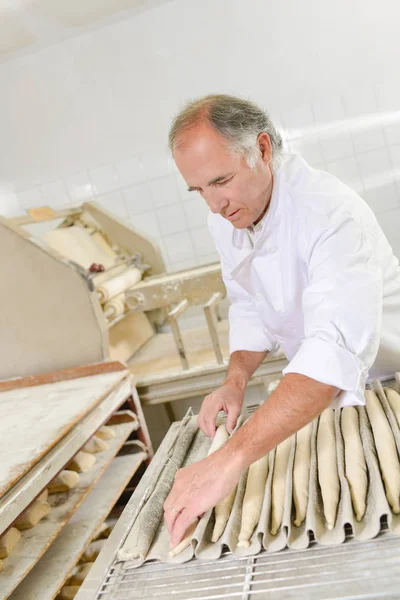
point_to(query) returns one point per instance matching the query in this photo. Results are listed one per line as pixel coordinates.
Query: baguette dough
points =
(301, 473)
(394, 401)
(386, 449)
(327, 466)
(8, 541)
(184, 543)
(105, 529)
(223, 510)
(92, 551)
(1, 565)
(118, 284)
(94, 445)
(80, 574)
(68, 592)
(82, 462)
(43, 496)
(279, 484)
(355, 466)
(105, 433)
(221, 436)
(253, 500)
(63, 482)
(31, 517)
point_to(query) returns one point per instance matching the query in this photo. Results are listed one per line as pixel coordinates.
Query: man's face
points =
(226, 182)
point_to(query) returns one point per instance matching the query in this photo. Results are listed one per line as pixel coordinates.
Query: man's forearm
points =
(242, 365)
(295, 402)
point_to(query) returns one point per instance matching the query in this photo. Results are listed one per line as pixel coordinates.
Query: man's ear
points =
(264, 143)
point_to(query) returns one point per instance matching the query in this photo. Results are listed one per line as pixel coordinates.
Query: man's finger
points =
(170, 517)
(233, 414)
(210, 426)
(182, 522)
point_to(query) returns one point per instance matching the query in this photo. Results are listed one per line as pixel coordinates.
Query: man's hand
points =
(229, 398)
(198, 488)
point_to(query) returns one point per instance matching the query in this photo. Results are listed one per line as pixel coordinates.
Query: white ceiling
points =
(29, 24)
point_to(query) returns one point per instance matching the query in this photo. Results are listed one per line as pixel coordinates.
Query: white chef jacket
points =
(320, 281)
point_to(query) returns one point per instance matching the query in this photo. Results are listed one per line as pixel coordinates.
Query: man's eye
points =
(224, 181)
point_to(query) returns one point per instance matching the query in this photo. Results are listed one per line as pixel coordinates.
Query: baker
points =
(307, 268)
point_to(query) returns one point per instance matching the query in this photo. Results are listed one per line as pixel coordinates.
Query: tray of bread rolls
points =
(340, 472)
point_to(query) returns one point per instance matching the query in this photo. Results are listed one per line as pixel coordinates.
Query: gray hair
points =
(238, 121)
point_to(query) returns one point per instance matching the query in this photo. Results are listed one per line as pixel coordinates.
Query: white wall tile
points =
(375, 168)
(347, 171)
(164, 191)
(147, 223)
(212, 257)
(172, 219)
(389, 221)
(114, 203)
(138, 199)
(383, 197)
(299, 117)
(9, 205)
(388, 95)
(394, 153)
(196, 211)
(185, 264)
(157, 163)
(337, 145)
(79, 186)
(30, 198)
(360, 101)
(129, 172)
(203, 241)
(104, 179)
(55, 194)
(371, 138)
(328, 109)
(309, 149)
(179, 247)
(392, 131)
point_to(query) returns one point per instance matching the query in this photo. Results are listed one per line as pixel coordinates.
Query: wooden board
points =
(159, 358)
(33, 482)
(55, 408)
(51, 572)
(61, 375)
(35, 541)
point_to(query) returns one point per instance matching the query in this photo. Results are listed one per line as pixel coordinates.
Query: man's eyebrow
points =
(213, 181)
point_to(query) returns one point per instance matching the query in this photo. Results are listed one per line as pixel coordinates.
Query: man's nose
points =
(215, 200)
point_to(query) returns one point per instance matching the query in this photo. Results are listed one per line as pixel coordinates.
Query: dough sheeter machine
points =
(361, 564)
(133, 311)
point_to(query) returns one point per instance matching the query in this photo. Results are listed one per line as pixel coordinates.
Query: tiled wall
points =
(88, 118)
(354, 135)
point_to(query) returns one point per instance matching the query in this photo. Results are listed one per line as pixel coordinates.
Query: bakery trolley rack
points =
(46, 420)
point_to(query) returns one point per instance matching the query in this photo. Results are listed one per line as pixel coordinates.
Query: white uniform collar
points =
(240, 237)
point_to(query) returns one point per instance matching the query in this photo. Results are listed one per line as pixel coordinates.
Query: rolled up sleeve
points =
(342, 309)
(246, 329)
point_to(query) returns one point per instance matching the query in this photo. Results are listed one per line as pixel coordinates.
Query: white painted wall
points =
(89, 117)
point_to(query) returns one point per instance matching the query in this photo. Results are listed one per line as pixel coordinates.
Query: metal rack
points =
(351, 570)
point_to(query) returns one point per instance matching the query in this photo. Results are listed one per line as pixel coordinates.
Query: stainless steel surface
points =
(351, 570)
